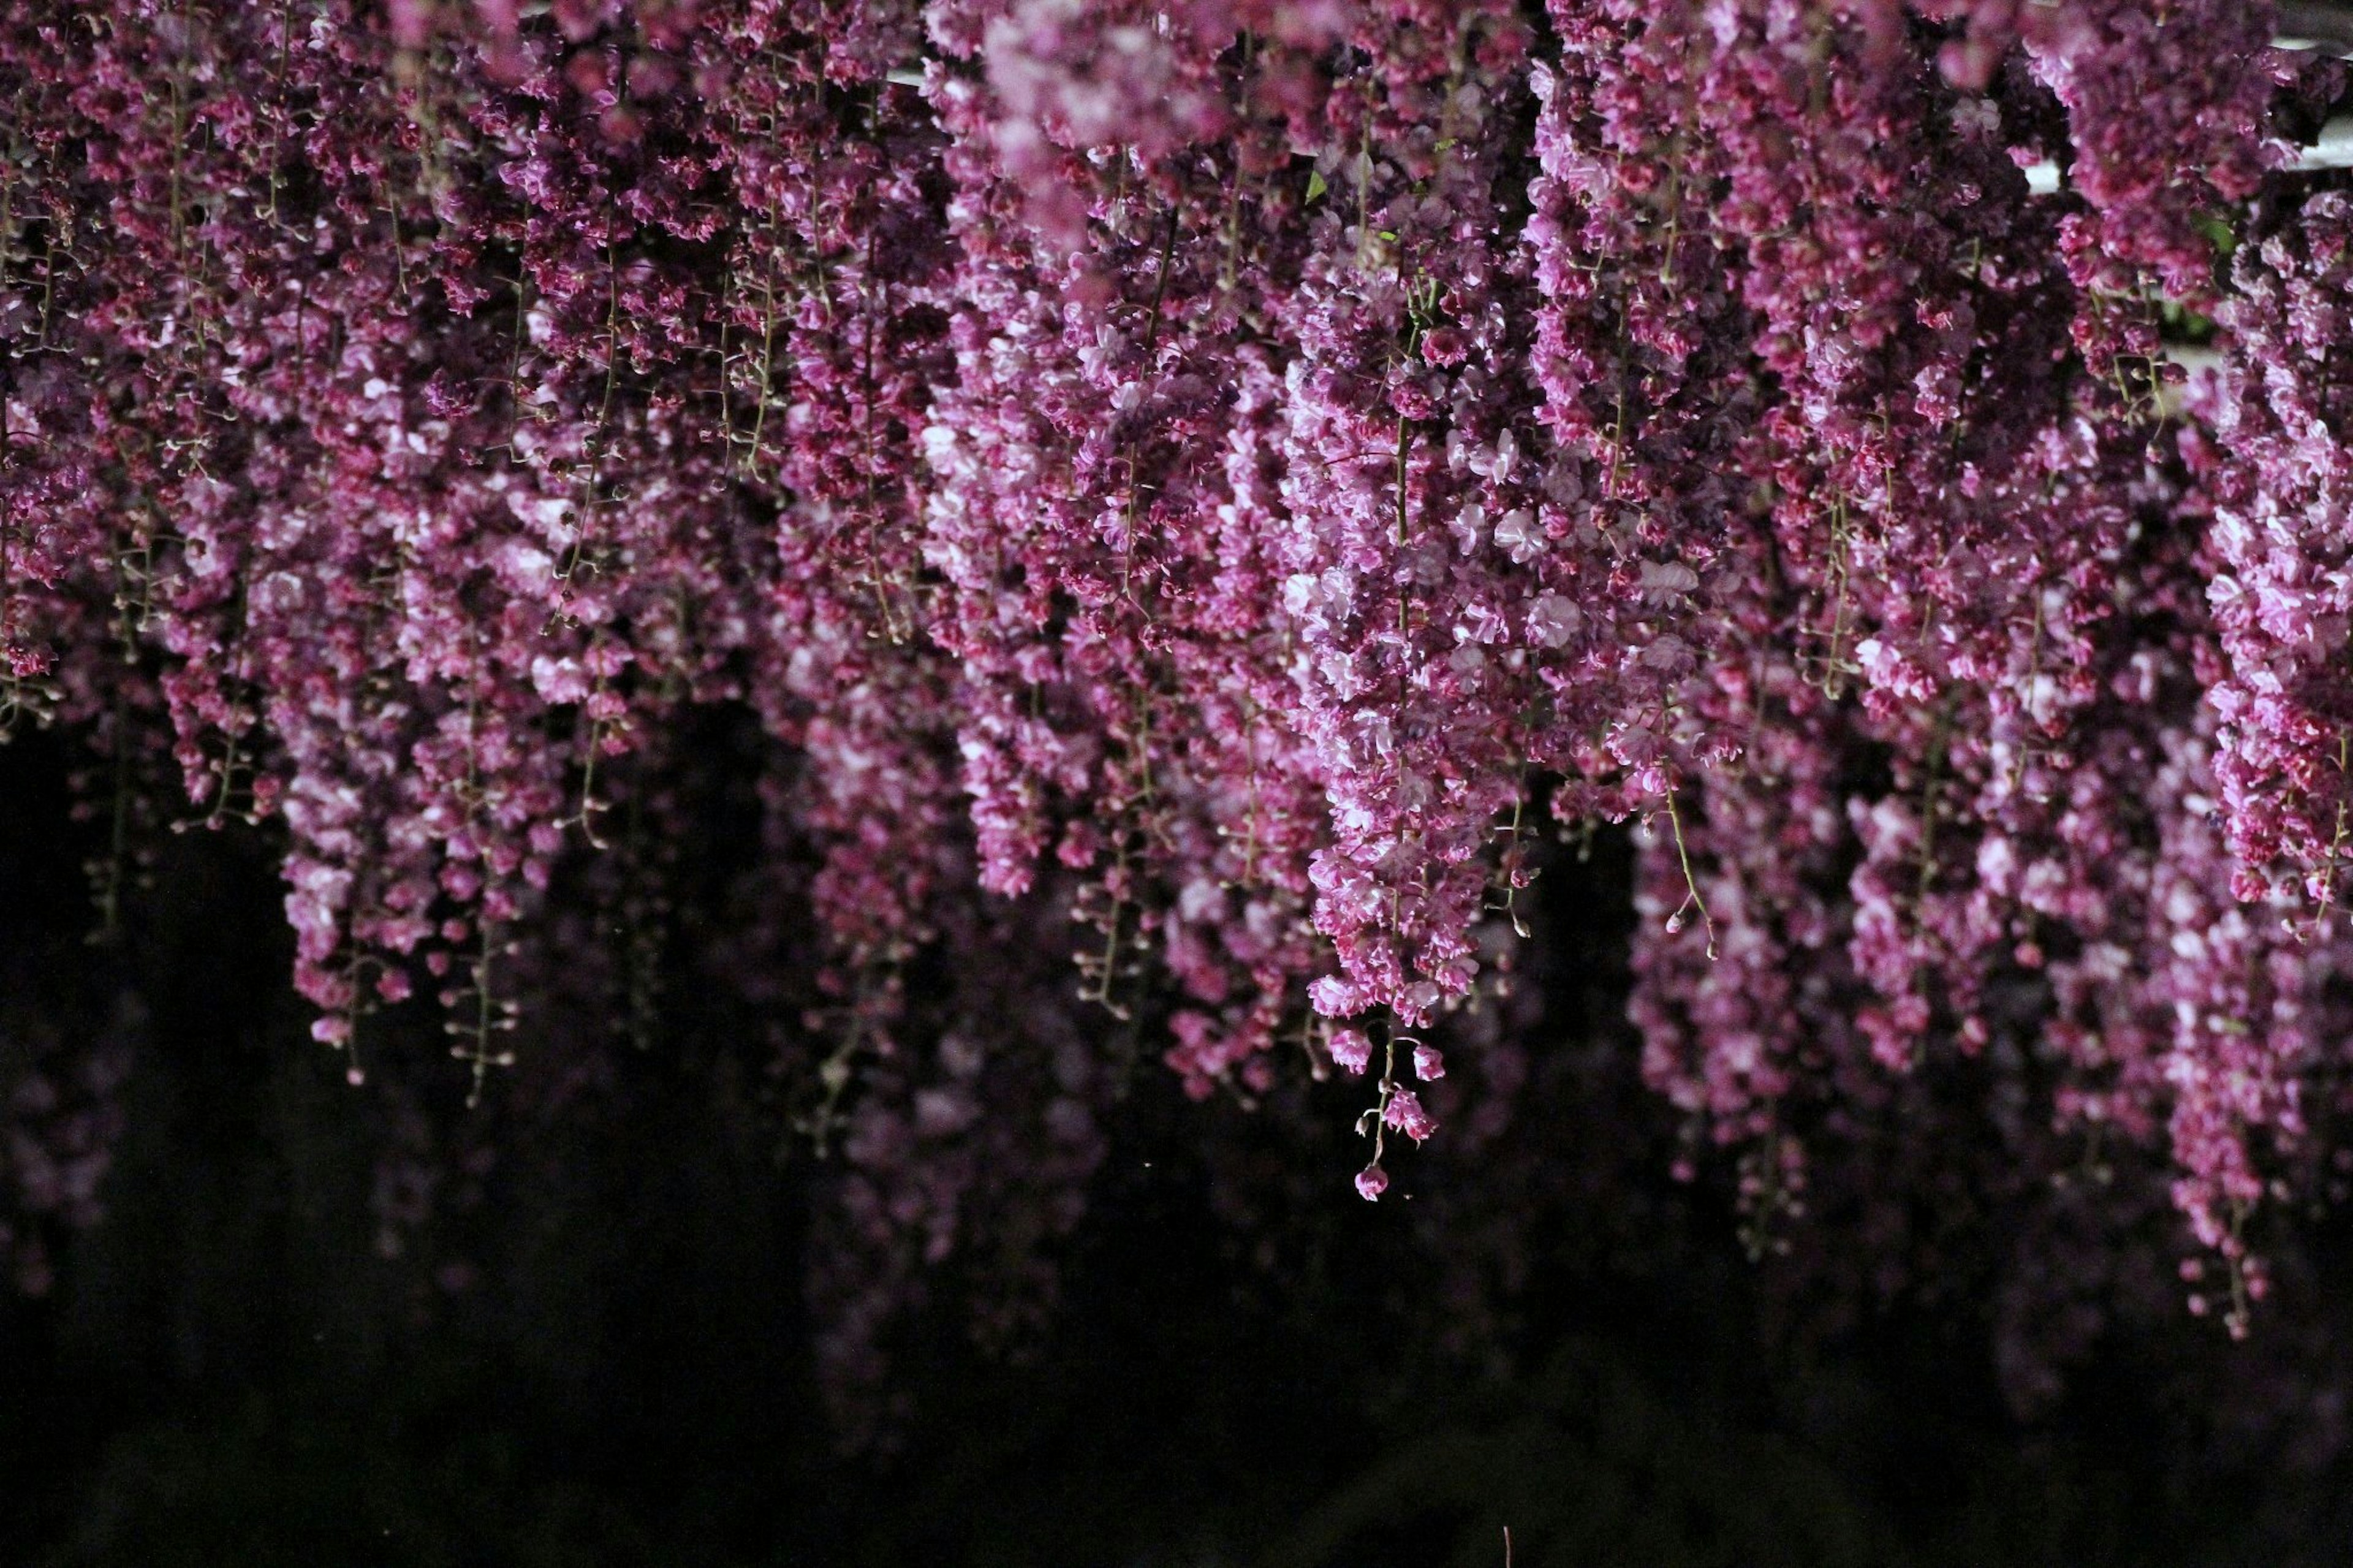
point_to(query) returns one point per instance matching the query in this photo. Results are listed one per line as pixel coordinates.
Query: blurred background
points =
(297, 1322)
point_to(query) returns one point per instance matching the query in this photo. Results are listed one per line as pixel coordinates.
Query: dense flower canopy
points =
(1230, 480)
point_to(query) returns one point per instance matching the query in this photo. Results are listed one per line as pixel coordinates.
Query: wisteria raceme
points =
(2280, 587)
(2168, 116)
(1172, 505)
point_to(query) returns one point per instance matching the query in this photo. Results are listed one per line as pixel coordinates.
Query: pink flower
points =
(1405, 1113)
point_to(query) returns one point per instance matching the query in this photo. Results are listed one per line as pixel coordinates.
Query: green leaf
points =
(1315, 185)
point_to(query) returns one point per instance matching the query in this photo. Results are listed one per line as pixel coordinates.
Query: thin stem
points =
(1692, 898)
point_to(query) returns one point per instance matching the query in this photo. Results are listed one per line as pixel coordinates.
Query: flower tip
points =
(1371, 1182)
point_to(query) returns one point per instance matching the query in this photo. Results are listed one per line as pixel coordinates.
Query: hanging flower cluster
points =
(1233, 476)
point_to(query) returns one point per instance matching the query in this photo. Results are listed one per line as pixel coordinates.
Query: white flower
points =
(1518, 536)
(1553, 619)
(1469, 525)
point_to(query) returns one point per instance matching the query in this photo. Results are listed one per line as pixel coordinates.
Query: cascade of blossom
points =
(2282, 596)
(1397, 449)
(1175, 494)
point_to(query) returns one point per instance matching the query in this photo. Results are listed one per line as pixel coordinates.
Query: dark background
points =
(229, 1369)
